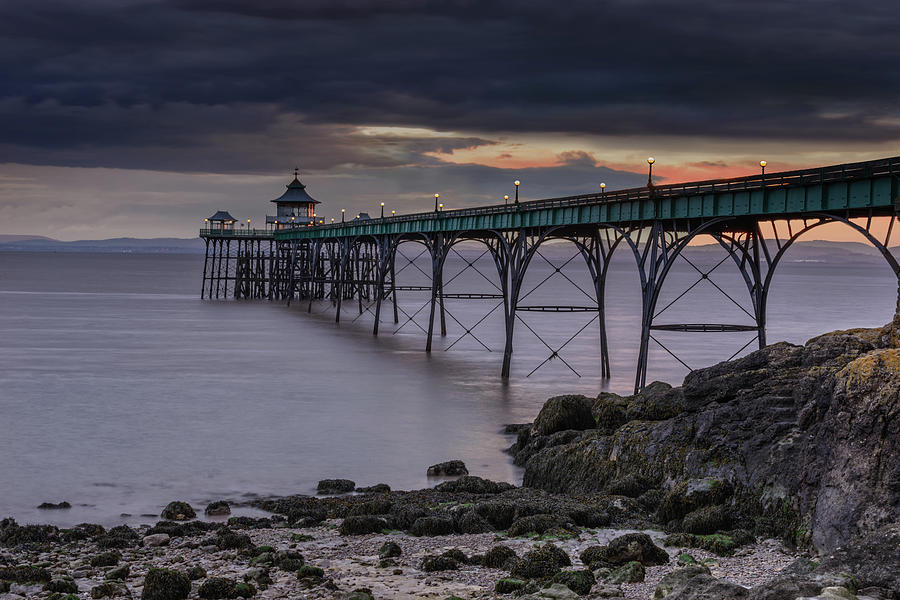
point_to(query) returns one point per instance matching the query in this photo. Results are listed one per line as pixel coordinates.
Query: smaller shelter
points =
(221, 221)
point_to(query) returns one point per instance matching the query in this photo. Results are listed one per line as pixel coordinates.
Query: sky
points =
(139, 118)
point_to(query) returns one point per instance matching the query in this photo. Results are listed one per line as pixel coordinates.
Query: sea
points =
(121, 390)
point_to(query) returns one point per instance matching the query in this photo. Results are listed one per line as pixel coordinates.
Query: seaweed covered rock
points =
(362, 524)
(499, 557)
(110, 589)
(12, 534)
(450, 468)
(509, 585)
(432, 526)
(110, 558)
(335, 486)
(389, 550)
(630, 572)
(120, 536)
(474, 485)
(226, 539)
(217, 509)
(25, 574)
(165, 584)
(565, 412)
(536, 524)
(543, 561)
(439, 563)
(62, 586)
(676, 578)
(635, 547)
(216, 588)
(178, 511)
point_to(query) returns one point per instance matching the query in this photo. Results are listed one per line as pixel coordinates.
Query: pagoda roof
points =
(296, 192)
(222, 215)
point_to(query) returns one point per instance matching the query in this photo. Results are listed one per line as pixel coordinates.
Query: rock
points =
(12, 534)
(672, 580)
(635, 547)
(561, 413)
(155, 540)
(378, 488)
(594, 555)
(536, 524)
(439, 563)
(471, 522)
(499, 557)
(508, 585)
(362, 524)
(390, 550)
(228, 540)
(361, 594)
(109, 558)
(705, 587)
(121, 536)
(499, 513)
(872, 559)
(111, 589)
(243, 590)
(165, 584)
(631, 572)
(474, 485)
(456, 554)
(178, 511)
(120, 573)
(579, 582)
(335, 486)
(607, 590)
(558, 591)
(25, 574)
(432, 526)
(310, 571)
(217, 509)
(62, 586)
(451, 468)
(723, 544)
(543, 561)
(196, 572)
(216, 588)
(288, 560)
(51, 506)
(708, 519)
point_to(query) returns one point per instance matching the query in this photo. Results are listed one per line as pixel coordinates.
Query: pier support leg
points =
(205, 263)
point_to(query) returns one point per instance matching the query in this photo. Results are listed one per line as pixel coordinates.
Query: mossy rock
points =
(361, 594)
(196, 572)
(109, 558)
(561, 413)
(676, 578)
(119, 574)
(309, 571)
(218, 508)
(457, 555)
(544, 561)
(165, 584)
(717, 543)
(594, 556)
(178, 511)
(508, 585)
(632, 572)
(226, 539)
(289, 560)
(538, 524)
(243, 590)
(579, 582)
(53, 596)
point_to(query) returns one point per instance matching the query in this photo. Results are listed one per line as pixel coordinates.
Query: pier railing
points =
(243, 233)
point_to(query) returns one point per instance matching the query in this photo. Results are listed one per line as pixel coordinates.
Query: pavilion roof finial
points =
(296, 172)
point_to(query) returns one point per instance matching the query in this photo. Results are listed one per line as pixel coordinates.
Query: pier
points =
(755, 219)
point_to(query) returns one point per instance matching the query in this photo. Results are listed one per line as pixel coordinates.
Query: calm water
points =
(120, 390)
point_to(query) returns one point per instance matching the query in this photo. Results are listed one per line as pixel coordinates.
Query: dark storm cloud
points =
(234, 86)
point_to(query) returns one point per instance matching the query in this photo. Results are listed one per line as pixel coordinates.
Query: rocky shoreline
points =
(772, 477)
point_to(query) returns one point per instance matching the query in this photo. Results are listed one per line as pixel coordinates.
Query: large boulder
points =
(451, 468)
(677, 578)
(335, 486)
(797, 442)
(165, 584)
(705, 587)
(872, 560)
(178, 511)
(565, 412)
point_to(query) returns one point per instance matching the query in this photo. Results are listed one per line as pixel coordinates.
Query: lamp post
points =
(650, 161)
(602, 189)
(342, 215)
(206, 223)
(516, 183)
(393, 212)
(441, 207)
(506, 199)
(332, 220)
(382, 210)
(248, 225)
(436, 196)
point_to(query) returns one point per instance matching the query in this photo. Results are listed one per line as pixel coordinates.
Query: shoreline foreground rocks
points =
(772, 477)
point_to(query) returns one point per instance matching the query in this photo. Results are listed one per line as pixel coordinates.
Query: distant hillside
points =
(117, 245)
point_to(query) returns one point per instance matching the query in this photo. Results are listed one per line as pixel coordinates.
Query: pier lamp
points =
(516, 183)
(382, 210)
(441, 207)
(206, 221)
(248, 225)
(506, 199)
(762, 165)
(436, 196)
(602, 189)
(342, 215)
(332, 220)
(393, 212)
(650, 161)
